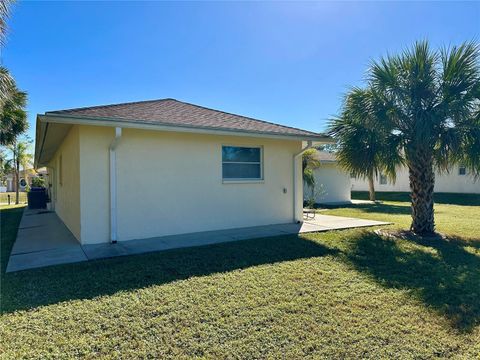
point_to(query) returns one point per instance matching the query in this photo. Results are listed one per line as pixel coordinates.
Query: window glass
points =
(462, 170)
(240, 154)
(241, 171)
(241, 163)
(383, 179)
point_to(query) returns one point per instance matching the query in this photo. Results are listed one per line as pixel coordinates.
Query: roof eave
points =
(39, 136)
(147, 125)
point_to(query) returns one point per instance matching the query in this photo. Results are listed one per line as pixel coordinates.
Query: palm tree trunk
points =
(371, 187)
(422, 182)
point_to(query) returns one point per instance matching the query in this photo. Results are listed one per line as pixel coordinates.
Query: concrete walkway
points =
(44, 240)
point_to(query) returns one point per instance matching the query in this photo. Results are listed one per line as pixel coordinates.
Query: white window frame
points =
(242, 180)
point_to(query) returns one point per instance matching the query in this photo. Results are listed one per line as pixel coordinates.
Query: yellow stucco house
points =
(165, 167)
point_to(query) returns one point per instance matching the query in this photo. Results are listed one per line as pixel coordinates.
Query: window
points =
(241, 163)
(383, 179)
(352, 175)
(462, 170)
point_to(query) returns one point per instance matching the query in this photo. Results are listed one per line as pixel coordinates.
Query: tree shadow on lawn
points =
(440, 198)
(443, 274)
(32, 288)
(378, 207)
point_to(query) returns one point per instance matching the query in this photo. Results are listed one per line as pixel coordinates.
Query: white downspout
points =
(295, 176)
(113, 185)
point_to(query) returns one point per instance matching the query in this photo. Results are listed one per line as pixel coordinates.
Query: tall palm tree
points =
(364, 149)
(13, 116)
(428, 102)
(21, 158)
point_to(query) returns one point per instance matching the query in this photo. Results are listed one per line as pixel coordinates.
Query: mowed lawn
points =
(343, 294)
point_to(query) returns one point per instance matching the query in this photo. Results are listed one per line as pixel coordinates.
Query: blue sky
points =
(286, 62)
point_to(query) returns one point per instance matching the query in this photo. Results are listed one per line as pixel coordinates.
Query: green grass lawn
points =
(22, 198)
(342, 294)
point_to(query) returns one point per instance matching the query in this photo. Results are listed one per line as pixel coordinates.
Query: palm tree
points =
(309, 163)
(6, 80)
(4, 14)
(364, 150)
(428, 102)
(6, 84)
(13, 116)
(21, 157)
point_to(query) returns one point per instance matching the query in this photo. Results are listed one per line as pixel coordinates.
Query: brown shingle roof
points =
(177, 113)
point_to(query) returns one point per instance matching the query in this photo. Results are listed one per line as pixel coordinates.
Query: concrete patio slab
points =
(339, 222)
(44, 240)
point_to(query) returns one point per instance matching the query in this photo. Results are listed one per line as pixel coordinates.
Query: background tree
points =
(428, 103)
(21, 158)
(364, 150)
(5, 166)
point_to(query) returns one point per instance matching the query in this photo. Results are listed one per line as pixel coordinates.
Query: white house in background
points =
(457, 180)
(332, 183)
(26, 176)
(165, 167)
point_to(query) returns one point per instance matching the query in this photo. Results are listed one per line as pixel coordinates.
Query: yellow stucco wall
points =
(171, 183)
(65, 180)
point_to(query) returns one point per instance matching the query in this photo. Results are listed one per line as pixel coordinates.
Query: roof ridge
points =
(107, 105)
(246, 117)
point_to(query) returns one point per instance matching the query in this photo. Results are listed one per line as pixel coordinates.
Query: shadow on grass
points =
(374, 208)
(9, 222)
(33, 288)
(440, 198)
(443, 274)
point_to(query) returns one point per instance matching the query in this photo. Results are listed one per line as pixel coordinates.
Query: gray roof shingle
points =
(178, 113)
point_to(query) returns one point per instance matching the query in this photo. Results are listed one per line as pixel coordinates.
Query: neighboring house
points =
(164, 167)
(457, 180)
(25, 176)
(332, 183)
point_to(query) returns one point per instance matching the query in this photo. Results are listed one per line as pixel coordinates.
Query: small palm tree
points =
(364, 149)
(309, 163)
